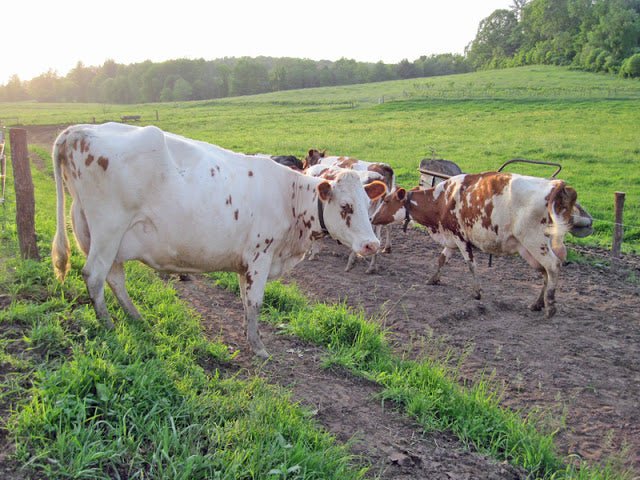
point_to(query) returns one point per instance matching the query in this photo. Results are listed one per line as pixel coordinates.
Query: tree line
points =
(594, 35)
(184, 79)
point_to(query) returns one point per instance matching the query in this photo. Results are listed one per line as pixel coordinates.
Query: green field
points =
(78, 401)
(589, 123)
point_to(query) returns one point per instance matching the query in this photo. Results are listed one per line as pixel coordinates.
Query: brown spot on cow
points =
(250, 173)
(235, 214)
(346, 162)
(345, 212)
(84, 146)
(89, 160)
(213, 172)
(103, 162)
(75, 144)
(255, 257)
(228, 201)
(434, 213)
(268, 243)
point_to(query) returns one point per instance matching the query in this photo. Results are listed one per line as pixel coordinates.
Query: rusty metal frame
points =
(535, 162)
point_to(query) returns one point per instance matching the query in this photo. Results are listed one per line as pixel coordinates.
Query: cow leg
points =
(442, 261)
(387, 241)
(95, 273)
(95, 269)
(549, 265)
(116, 281)
(467, 252)
(252, 292)
(373, 264)
(314, 250)
(350, 262)
(80, 228)
(539, 303)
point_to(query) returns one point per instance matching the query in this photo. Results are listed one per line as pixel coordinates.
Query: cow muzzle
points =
(368, 248)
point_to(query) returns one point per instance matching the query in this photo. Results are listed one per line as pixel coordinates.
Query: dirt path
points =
(346, 406)
(581, 368)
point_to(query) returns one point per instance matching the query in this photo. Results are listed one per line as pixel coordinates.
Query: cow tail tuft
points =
(60, 250)
(560, 205)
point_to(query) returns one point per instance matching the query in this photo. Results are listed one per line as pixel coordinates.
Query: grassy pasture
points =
(94, 404)
(589, 123)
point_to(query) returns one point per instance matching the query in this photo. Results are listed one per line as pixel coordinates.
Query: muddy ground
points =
(580, 371)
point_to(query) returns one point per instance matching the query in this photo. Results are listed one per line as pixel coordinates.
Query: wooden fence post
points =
(617, 228)
(25, 200)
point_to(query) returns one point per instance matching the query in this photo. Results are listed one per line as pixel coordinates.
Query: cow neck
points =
(305, 200)
(407, 214)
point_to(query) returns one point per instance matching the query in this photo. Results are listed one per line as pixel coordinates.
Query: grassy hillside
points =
(586, 122)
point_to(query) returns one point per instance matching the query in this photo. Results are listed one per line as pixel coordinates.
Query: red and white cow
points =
(180, 205)
(316, 158)
(366, 177)
(498, 213)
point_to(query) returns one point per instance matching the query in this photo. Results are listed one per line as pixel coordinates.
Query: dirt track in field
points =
(581, 369)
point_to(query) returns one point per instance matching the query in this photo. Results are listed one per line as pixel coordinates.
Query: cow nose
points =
(369, 248)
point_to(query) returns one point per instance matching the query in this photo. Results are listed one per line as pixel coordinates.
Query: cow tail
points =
(560, 206)
(60, 250)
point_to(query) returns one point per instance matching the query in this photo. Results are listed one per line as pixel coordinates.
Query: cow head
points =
(313, 157)
(581, 222)
(392, 209)
(345, 204)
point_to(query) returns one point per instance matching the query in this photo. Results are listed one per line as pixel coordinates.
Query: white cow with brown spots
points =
(316, 159)
(497, 213)
(185, 206)
(366, 177)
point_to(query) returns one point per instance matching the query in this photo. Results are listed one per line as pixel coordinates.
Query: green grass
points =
(426, 389)
(136, 402)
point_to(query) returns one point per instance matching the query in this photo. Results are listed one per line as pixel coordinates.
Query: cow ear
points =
(375, 189)
(310, 152)
(401, 193)
(324, 191)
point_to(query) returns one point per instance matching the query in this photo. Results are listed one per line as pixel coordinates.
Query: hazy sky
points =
(41, 35)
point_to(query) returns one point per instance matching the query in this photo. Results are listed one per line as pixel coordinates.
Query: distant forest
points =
(594, 35)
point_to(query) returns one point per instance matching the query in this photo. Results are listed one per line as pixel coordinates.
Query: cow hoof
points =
(536, 307)
(386, 250)
(433, 281)
(348, 267)
(262, 354)
(109, 323)
(549, 312)
(371, 270)
(477, 295)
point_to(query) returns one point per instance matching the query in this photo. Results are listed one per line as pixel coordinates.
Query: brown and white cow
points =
(180, 205)
(366, 177)
(316, 157)
(498, 213)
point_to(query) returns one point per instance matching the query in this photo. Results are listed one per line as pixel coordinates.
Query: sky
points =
(43, 35)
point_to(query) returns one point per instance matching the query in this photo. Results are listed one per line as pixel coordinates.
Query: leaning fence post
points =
(25, 200)
(617, 228)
